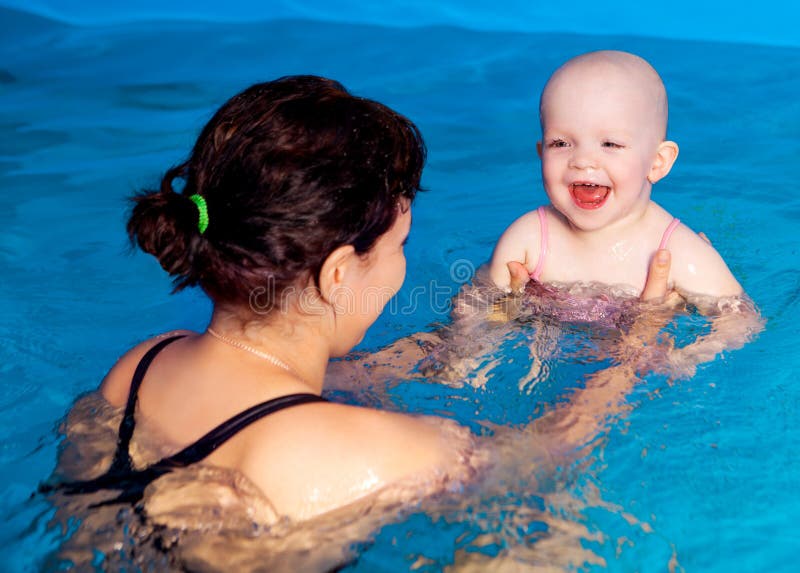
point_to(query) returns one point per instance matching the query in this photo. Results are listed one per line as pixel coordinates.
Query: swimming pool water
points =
(700, 475)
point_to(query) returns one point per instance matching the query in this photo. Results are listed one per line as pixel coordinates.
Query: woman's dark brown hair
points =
(290, 170)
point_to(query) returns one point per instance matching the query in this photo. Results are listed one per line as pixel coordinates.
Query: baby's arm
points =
(519, 242)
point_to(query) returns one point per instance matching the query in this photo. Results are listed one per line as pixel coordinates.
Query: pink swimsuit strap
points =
(543, 232)
(537, 272)
(668, 233)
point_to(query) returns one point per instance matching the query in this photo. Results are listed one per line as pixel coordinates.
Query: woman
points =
(291, 214)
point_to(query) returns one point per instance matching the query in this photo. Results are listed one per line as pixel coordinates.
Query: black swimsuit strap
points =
(122, 458)
(132, 483)
(232, 426)
(121, 475)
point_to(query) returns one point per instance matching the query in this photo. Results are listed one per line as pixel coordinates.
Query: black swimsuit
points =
(132, 482)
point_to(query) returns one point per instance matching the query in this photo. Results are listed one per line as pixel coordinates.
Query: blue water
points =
(90, 113)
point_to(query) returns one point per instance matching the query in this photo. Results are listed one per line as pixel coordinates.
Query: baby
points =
(604, 122)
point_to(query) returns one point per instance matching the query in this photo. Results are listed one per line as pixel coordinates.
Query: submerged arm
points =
(736, 323)
(645, 348)
(575, 423)
(473, 307)
(735, 320)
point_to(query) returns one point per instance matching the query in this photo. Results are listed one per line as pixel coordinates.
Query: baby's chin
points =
(584, 226)
(588, 220)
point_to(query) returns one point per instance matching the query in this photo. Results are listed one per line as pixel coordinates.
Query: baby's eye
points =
(557, 143)
(612, 145)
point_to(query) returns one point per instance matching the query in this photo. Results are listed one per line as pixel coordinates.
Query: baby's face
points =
(601, 128)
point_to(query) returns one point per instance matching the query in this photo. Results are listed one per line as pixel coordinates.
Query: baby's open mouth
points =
(589, 195)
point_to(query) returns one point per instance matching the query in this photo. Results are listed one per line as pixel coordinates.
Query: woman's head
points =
(290, 170)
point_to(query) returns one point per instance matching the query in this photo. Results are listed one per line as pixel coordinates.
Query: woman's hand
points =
(519, 276)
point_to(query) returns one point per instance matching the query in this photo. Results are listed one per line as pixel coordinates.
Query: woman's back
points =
(306, 459)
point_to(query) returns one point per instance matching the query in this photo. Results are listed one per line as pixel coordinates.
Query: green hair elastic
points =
(202, 210)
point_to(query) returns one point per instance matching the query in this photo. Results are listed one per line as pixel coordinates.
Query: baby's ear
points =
(666, 155)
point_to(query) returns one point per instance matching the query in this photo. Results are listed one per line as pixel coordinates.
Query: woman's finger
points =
(519, 276)
(657, 276)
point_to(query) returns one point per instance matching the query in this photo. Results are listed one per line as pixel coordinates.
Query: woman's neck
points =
(284, 341)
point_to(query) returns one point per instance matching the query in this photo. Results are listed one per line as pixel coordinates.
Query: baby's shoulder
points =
(521, 236)
(688, 242)
(528, 228)
(673, 233)
(697, 267)
(520, 242)
(530, 220)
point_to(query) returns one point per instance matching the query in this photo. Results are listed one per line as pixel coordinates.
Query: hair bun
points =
(165, 224)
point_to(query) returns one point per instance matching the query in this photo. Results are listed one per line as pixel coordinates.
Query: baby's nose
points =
(583, 158)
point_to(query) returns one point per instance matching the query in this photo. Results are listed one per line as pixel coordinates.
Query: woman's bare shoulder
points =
(347, 452)
(116, 384)
(364, 434)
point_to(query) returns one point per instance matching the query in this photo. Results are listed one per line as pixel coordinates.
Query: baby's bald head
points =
(606, 70)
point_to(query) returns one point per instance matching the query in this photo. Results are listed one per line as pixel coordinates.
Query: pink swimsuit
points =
(542, 212)
(574, 306)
